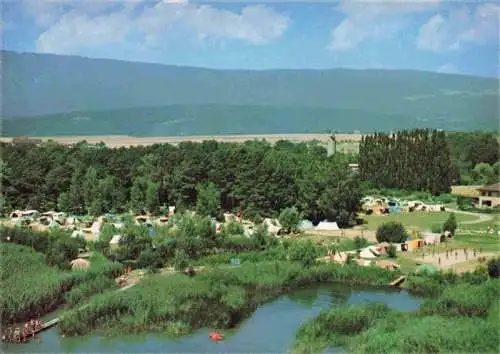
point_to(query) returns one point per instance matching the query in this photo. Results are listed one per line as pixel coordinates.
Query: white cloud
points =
(461, 27)
(373, 19)
(71, 28)
(447, 69)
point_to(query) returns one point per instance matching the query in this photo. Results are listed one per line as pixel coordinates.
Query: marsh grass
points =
(29, 287)
(464, 300)
(220, 298)
(407, 333)
(463, 319)
(332, 328)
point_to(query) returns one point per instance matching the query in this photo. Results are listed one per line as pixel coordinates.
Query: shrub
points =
(494, 267)
(304, 251)
(290, 218)
(181, 260)
(392, 232)
(450, 224)
(233, 228)
(360, 242)
(392, 251)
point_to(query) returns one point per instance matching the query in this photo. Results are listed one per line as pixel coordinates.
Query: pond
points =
(271, 328)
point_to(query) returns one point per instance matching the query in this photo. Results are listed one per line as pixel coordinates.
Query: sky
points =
(432, 35)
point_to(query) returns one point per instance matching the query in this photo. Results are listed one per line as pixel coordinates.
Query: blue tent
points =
(393, 206)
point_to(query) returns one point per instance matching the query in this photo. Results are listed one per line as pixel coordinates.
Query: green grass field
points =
(419, 220)
(488, 243)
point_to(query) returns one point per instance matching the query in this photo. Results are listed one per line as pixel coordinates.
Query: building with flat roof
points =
(489, 196)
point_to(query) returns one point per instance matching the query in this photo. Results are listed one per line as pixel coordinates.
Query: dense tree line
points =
(475, 156)
(255, 178)
(417, 160)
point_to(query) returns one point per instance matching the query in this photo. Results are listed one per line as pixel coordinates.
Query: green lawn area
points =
(419, 220)
(489, 243)
(483, 226)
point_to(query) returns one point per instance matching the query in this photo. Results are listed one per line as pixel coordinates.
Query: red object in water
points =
(215, 336)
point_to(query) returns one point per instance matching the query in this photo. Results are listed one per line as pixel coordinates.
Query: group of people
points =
(22, 334)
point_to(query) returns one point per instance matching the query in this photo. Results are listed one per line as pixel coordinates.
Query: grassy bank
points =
(30, 286)
(220, 298)
(463, 317)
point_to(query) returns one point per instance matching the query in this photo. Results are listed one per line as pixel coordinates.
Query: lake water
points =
(271, 328)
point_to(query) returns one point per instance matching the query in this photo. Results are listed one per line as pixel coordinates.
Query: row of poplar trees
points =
(417, 160)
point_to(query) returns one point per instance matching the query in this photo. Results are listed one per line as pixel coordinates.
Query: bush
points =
(233, 228)
(290, 218)
(494, 267)
(392, 251)
(181, 260)
(392, 232)
(360, 242)
(304, 251)
(450, 224)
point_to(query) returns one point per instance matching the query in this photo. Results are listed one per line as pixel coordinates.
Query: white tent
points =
(77, 233)
(228, 217)
(305, 225)
(373, 250)
(431, 238)
(115, 240)
(366, 253)
(325, 225)
(273, 226)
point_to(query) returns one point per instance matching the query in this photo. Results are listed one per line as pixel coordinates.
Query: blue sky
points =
(431, 35)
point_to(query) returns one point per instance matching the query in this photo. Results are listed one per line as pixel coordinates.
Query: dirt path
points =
(344, 233)
(481, 217)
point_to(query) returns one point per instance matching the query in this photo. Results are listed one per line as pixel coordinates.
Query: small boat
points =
(215, 336)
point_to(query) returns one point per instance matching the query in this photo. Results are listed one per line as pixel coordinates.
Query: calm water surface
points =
(271, 328)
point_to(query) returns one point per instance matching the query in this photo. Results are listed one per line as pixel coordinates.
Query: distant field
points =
(419, 220)
(122, 140)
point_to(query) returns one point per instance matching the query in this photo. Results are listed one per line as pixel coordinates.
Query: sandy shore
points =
(123, 140)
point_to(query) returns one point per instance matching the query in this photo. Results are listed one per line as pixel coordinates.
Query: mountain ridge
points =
(44, 92)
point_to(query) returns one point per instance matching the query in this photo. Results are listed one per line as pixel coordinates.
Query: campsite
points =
(185, 176)
(105, 268)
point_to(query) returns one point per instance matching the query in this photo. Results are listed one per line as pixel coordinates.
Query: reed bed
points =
(220, 298)
(83, 291)
(464, 300)
(463, 319)
(406, 333)
(334, 327)
(30, 287)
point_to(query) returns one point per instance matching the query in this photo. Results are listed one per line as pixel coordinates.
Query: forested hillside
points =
(95, 97)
